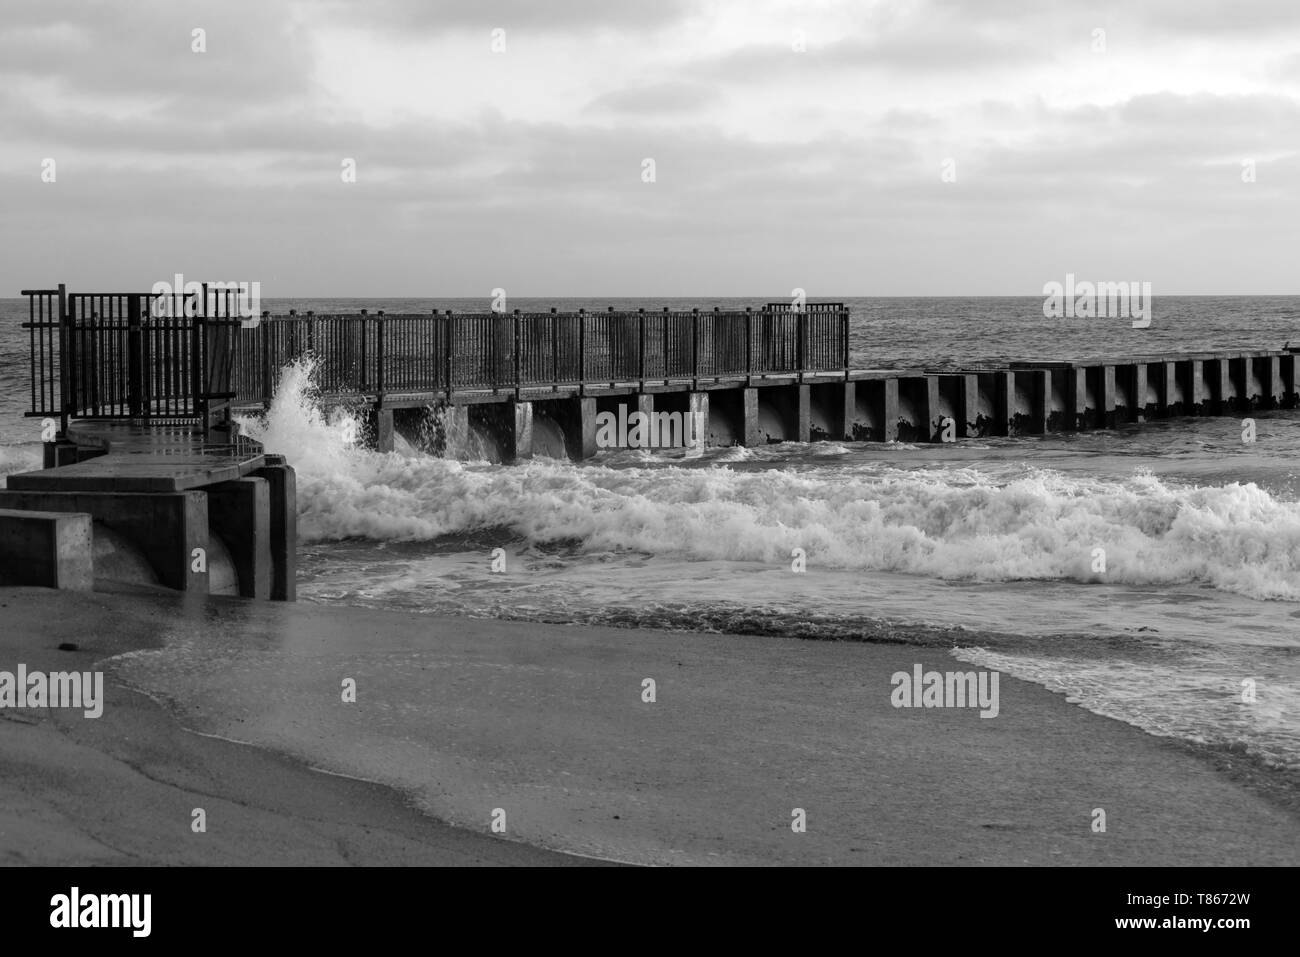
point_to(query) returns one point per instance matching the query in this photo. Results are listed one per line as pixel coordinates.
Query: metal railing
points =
(131, 355)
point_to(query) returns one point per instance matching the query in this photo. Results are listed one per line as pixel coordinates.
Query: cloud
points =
(438, 16)
(143, 49)
(658, 98)
(774, 168)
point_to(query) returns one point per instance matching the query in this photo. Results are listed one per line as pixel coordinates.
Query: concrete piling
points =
(282, 488)
(166, 528)
(240, 513)
(47, 549)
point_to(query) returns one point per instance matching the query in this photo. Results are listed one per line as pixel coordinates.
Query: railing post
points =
(640, 348)
(611, 338)
(267, 385)
(447, 344)
(362, 372)
(198, 374)
(133, 357)
(667, 357)
(582, 347)
(695, 343)
(518, 354)
(844, 324)
(749, 342)
(147, 334)
(66, 357)
(555, 350)
(801, 339)
(379, 356)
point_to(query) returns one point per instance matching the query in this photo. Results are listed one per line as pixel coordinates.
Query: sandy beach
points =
(550, 724)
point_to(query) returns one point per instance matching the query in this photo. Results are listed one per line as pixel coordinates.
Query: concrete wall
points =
(50, 549)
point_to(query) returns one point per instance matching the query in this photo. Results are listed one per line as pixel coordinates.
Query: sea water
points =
(984, 547)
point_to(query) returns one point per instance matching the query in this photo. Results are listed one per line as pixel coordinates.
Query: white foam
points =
(941, 522)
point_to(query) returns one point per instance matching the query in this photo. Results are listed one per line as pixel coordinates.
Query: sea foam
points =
(948, 523)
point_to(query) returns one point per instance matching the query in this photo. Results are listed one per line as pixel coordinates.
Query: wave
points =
(947, 523)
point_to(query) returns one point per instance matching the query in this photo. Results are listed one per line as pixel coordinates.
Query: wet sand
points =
(548, 722)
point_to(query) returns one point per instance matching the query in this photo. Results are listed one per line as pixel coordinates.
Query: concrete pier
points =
(170, 505)
(154, 467)
(756, 378)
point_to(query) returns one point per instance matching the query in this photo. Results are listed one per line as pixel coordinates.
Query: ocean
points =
(982, 548)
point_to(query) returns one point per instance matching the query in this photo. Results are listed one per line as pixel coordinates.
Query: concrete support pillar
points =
(644, 402)
(1076, 399)
(384, 430)
(918, 404)
(751, 436)
(697, 410)
(166, 527)
(47, 549)
(803, 414)
(1170, 395)
(523, 430)
(931, 418)
(968, 406)
(1140, 410)
(847, 411)
(1254, 389)
(1243, 380)
(1004, 403)
(1036, 385)
(580, 429)
(1109, 417)
(1274, 389)
(1127, 397)
(1289, 367)
(1198, 396)
(455, 429)
(282, 485)
(888, 411)
(240, 512)
(1225, 392)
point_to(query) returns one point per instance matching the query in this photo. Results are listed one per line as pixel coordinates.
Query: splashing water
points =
(898, 542)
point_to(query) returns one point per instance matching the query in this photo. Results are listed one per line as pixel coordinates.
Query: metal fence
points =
(129, 355)
(135, 355)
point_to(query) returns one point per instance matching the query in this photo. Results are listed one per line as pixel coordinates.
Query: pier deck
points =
(124, 456)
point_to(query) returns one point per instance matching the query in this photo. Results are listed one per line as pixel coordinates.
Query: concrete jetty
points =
(150, 479)
(748, 378)
(165, 504)
(137, 402)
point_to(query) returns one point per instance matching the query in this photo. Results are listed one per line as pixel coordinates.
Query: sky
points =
(650, 148)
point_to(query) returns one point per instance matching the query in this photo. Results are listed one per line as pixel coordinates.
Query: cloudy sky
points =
(901, 147)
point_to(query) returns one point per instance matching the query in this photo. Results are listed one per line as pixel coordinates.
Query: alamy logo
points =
(102, 910)
(951, 689)
(1100, 300)
(58, 689)
(645, 430)
(245, 303)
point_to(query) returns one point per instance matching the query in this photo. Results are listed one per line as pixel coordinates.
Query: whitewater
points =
(988, 549)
